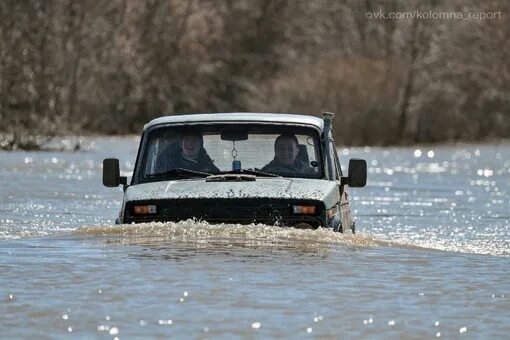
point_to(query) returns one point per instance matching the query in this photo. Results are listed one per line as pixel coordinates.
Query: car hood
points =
(289, 188)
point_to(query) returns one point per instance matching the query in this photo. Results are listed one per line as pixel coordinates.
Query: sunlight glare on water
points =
(430, 257)
(456, 199)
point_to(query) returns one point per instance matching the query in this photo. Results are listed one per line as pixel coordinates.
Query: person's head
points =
(286, 149)
(191, 143)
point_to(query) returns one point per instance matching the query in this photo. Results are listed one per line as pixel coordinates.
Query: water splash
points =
(200, 232)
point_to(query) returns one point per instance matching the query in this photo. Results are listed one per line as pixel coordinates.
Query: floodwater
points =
(431, 258)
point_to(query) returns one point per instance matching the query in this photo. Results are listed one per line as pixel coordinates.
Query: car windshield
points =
(202, 150)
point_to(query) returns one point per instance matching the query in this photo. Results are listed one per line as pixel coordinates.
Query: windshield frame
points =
(138, 176)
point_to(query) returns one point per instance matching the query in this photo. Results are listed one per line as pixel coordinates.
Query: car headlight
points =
(144, 209)
(304, 209)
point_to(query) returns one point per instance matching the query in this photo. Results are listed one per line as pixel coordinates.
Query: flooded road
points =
(431, 257)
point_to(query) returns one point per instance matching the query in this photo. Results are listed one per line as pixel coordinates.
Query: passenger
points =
(190, 154)
(286, 149)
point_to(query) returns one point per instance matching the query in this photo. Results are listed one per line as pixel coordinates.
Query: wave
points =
(203, 234)
(200, 232)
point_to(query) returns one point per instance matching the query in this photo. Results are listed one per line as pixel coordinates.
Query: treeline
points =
(109, 66)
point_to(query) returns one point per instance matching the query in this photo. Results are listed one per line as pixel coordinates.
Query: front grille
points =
(244, 211)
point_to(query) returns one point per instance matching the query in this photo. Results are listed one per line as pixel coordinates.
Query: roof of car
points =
(239, 117)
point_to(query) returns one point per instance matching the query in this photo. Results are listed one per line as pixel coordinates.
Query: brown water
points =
(431, 257)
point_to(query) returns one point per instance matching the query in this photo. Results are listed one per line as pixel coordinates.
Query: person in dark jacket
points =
(286, 149)
(188, 154)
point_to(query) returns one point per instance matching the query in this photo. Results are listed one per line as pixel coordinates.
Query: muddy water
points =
(431, 257)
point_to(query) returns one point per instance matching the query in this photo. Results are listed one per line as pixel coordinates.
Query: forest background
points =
(394, 71)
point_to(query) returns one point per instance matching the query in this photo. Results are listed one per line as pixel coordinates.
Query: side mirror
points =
(111, 172)
(357, 173)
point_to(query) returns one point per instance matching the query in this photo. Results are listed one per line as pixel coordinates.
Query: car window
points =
(334, 160)
(287, 152)
(337, 162)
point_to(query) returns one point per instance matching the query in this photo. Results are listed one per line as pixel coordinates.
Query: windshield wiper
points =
(181, 172)
(250, 172)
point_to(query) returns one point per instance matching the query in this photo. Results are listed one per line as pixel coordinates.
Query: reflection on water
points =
(86, 285)
(67, 271)
(46, 193)
(450, 198)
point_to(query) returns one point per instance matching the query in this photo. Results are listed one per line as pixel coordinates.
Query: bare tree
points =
(110, 65)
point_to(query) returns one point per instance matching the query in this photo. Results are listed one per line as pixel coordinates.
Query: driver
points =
(286, 149)
(190, 154)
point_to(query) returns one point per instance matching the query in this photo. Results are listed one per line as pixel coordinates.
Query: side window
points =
(337, 162)
(334, 159)
(152, 153)
(158, 151)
